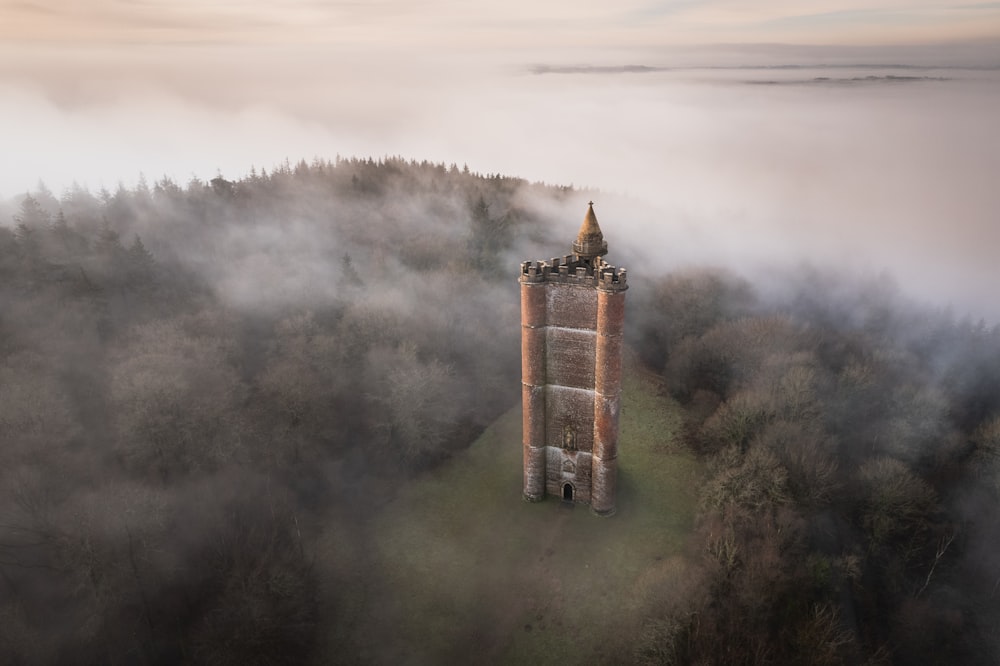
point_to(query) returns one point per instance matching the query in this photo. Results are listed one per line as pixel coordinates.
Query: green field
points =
(463, 563)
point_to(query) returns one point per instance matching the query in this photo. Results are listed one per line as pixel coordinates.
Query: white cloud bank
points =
(746, 164)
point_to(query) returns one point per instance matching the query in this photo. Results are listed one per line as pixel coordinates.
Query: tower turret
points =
(590, 245)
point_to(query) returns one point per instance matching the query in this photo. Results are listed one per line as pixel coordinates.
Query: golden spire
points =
(590, 241)
(590, 228)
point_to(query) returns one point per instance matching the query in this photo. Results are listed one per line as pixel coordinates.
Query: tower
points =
(572, 317)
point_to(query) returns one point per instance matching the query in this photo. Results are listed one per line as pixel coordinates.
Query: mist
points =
(867, 159)
(224, 407)
(257, 338)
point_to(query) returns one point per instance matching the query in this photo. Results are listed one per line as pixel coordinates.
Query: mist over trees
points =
(196, 380)
(845, 518)
(190, 375)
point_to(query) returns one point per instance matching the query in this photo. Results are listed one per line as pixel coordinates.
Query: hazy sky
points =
(845, 157)
(513, 23)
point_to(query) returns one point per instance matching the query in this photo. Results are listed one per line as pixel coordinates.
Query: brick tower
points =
(572, 314)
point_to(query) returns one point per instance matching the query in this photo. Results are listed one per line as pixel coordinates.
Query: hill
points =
(463, 565)
(235, 427)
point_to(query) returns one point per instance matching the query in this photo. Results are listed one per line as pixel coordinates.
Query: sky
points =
(514, 23)
(858, 134)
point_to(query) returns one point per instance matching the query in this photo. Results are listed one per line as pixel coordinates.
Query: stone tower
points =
(572, 314)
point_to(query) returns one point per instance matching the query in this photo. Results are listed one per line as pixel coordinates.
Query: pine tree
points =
(27, 240)
(32, 215)
(61, 241)
(140, 261)
(110, 253)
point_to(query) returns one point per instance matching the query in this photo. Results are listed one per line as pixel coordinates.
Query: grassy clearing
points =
(465, 567)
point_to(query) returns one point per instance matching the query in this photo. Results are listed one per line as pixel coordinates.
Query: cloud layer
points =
(866, 156)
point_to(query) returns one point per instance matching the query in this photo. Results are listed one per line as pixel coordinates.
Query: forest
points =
(197, 381)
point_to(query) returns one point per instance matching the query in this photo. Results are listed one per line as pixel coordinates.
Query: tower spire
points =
(590, 243)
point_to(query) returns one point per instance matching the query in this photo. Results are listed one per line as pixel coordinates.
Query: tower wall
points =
(567, 352)
(566, 406)
(533, 310)
(607, 398)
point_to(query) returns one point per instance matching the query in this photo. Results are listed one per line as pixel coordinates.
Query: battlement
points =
(570, 270)
(611, 278)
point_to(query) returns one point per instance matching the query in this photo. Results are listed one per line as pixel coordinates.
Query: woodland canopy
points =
(194, 379)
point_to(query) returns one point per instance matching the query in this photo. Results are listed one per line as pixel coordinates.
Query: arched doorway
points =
(568, 492)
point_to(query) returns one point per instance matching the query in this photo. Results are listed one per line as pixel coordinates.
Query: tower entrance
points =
(568, 492)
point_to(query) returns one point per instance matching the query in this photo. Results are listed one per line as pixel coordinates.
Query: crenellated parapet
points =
(571, 270)
(611, 278)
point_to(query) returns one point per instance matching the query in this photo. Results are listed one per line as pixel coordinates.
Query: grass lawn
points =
(468, 571)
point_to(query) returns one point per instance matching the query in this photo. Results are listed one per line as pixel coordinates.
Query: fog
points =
(873, 159)
(206, 388)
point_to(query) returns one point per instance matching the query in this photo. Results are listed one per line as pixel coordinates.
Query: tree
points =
(987, 456)
(895, 503)
(309, 401)
(418, 400)
(63, 244)
(488, 236)
(36, 413)
(30, 221)
(9, 253)
(176, 397)
(31, 214)
(139, 263)
(686, 305)
(260, 598)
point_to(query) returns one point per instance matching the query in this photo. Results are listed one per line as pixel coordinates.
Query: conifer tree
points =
(139, 262)
(32, 215)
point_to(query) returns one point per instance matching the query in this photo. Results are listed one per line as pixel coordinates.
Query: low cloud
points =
(840, 161)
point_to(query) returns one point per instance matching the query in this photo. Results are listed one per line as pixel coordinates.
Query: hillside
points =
(463, 564)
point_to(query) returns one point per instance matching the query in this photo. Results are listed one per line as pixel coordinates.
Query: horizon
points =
(840, 135)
